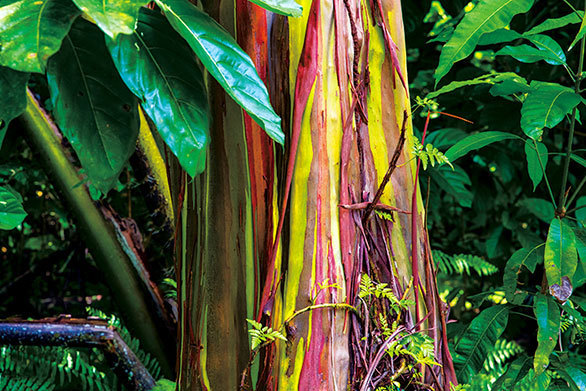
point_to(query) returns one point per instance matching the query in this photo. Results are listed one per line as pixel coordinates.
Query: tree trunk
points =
(263, 228)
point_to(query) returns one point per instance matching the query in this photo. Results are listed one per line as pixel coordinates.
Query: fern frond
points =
(503, 350)
(260, 334)
(429, 154)
(462, 264)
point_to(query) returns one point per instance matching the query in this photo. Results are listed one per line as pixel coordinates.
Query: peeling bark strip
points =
(81, 333)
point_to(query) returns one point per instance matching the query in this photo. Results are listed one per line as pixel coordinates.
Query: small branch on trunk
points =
(81, 333)
(392, 166)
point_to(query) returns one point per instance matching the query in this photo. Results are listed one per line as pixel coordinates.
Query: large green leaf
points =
(225, 61)
(112, 16)
(455, 182)
(545, 107)
(158, 67)
(548, 322)
(556, 23)
(561, 257)
(525, 257)
(498, 36)
(479, 338)
(12, 97)
(573, 376)
(581, 213)
(510, 86)
(548, 45)
(476, 141)
(283, 7)
(491, 79)
(11, 211)
(515, 372)
(93, 107)
(32, 31)
(487, 16)
(536, 155)
(580, 34)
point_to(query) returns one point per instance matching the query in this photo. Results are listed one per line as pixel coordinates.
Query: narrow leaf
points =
(556, 23)
(546, 106)
(93, 107)
(112, 16)
(11, 211)
(283, 7)
(455, 182)
(580, 34)
(515, 372)
(32, 31)
(159, 67)
(561, 257)
(225, 61)
(527, 54)
(472, 348)
(548, 322)
(476, 141)
(487, 16)
(550, 46)
(490, 79)
(536, 155)
(12, 97)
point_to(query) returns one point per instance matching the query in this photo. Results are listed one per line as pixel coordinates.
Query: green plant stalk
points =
(563, 196)
(101, 240)
(577, 191)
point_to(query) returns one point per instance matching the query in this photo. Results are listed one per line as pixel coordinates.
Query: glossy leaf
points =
(528, 54)
(555, 23)
(32, 31)
(225, 61)
(112, 16)
(12, 97)
(283, 7)
(546, 106)
(479, 338)
(548, 322)
(525, 257)
(536, 155)
(476, 141)
(11, 211)
(581, 213)
(487, 16)
(547, 45)
(158, 67)
(581, 33)
(93, 107)
(499, 36)
(491, 79)
(561, 257)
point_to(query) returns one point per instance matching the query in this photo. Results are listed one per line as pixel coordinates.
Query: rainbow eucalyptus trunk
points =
(265, 229)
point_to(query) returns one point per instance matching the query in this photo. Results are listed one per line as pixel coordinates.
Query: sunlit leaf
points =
(112, 16)
(485, 17)
(556, 23)
(561, 257)
(580, 34)
(491, 79)
(476, 141)
(32, 31)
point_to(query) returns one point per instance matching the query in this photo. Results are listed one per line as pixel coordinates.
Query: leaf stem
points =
(544, 174)
(563, 194)
(577, 191)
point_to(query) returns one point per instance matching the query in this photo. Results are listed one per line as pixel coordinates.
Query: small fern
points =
(462, 264)
(150, 363)
(260, 334)
(503, 350)
(429, 154)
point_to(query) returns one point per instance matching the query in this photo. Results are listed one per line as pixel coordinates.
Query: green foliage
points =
(159, 68)
(13, 102)
(283, 7)
(93, 107)
(581, 33)
(260, 334)
(536, 155)
(487, 16)
(463, 264)
(523, 258)
(477, 340)
(561, 257)
(548, 320)
(476, 141)
(225, 61)
(112, 16)
(429, 154)
(11, 210)
(32, 31)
